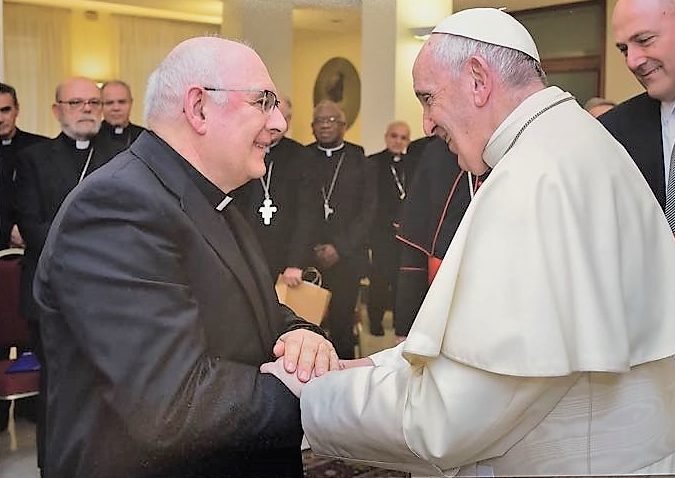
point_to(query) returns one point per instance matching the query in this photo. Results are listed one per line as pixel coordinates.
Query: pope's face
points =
(448, 111)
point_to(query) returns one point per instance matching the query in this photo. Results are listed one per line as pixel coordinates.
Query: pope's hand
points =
(289, 379)
(306, 353)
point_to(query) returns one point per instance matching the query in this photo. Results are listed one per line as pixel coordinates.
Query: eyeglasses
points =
(331, 120)
(267, 102)
(78, 104)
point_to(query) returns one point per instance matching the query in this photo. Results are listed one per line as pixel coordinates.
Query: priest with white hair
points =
(545, 344)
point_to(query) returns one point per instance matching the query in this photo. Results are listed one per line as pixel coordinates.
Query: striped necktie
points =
(670, 193)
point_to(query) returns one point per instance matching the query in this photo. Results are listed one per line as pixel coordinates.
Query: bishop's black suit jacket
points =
(8, 159)
(46, 172)
(156, 312)
(636, 124)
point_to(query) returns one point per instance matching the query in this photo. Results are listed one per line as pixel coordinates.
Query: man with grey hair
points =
(645, 124)
(157, 308)
(46, 173)
(545, 344)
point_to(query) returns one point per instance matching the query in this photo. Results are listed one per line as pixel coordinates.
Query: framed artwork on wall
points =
(339, 81)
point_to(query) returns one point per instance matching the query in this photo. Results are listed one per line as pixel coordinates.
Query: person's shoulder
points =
(630, 111)
(39, 150)
(378, 155)
(354, 148)
(290, 143)
(29, 139)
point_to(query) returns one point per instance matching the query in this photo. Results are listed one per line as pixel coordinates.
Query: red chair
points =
(13, 329)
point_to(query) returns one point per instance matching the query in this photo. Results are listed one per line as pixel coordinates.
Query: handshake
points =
(300, 361)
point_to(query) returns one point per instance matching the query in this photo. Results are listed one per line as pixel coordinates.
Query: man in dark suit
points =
(157, 307)
(117, 103)
(436, 202)
(393, 172)
(281, 206)
(12, 141)
(645, 124)
(46, 173)
(347, 204)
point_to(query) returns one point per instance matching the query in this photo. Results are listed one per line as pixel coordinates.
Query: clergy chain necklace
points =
(399, 181)
(327, 209)
(267, 209)
(268, 179)
(534, 117)
(86, 165)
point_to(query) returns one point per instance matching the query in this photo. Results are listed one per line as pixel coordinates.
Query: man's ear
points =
(193, 108)
(482, 80)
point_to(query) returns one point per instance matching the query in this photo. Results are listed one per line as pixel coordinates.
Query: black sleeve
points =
(33, 220)
(355, 237)
(115, 269)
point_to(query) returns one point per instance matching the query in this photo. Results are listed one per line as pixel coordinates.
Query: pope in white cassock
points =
(545, 344)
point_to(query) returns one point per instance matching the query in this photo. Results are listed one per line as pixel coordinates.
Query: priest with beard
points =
(347, 202)
(46, 173)
(281, 206)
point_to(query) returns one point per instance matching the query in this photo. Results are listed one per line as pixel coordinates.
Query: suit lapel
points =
(256, 259)
(648, 136)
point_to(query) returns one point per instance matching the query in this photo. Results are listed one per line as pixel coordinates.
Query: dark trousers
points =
(343, 281)
(383, 280)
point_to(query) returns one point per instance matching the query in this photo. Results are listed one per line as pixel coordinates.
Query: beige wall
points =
(310, 51)
(93, 53)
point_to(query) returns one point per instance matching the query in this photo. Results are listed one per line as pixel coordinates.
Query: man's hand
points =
(292, 276)
(289, 379)
(326, 255)
(306, 352)
(15, 239)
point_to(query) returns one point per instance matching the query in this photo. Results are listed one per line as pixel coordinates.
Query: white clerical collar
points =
(7, 142)
(82, 143)
(118, 129)
(329, 151)
(504, 135)
(223, 203)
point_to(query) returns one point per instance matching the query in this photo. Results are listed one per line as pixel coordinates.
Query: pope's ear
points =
(482, 78)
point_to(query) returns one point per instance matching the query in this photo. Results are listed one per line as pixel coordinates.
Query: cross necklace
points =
(268, 208)
(327, 209)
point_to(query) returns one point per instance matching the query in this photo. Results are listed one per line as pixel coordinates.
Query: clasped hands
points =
(302, 355)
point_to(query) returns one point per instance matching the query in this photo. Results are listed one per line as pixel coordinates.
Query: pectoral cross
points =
(327, 210)
(267, 210)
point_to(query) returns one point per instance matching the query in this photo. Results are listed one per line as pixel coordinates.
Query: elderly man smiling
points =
(545, 344)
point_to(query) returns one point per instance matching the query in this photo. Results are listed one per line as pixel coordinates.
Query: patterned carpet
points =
(320, 467)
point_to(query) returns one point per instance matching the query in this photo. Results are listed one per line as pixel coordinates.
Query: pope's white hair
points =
(515, 67)
(193, 62)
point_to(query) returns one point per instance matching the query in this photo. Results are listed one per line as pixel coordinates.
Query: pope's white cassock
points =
(545, 343)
